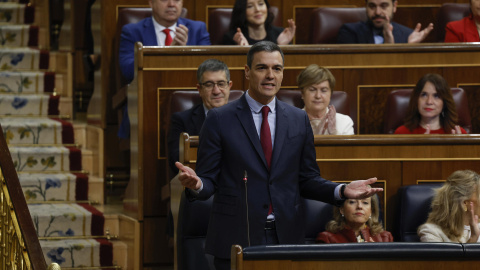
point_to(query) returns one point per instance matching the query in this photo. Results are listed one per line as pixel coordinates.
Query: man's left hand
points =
(181, 36)
(360, 189)
(418, 36)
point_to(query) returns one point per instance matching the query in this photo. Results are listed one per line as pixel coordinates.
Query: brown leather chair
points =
(447, 13)
(219, 22)
(397, 105)
(294, 97)
(326, 23)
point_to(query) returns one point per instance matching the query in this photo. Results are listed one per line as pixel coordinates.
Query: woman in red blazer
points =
(466, 29)
(355, 221)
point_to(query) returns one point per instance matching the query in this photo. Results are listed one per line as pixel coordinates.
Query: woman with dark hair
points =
(431, 109)
(466, 29)
(355, 221)
(252, 22)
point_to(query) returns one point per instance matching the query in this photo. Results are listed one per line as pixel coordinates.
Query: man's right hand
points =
(187, 176)
(388, 31)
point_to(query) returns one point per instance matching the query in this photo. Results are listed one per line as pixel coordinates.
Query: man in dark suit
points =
(257, 173)
(150, 31)
(213, 86)
(379, 28)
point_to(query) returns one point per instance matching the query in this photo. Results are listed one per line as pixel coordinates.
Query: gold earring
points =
(465, 208)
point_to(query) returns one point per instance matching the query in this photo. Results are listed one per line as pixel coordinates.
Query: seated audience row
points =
(453, 217)
(431, 108)
(252, 22)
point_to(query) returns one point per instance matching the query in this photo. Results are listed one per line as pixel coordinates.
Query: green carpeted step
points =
(34, 105)
(23, 59)
(28, 130)
(21, 35)
(78, 253)
(46, 158)
(27, 82)
(62, 219)
(54, 187)
(16, 13)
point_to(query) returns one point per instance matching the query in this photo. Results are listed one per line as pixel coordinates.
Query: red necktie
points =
(168, 38)
(265, 136)
(266, 142)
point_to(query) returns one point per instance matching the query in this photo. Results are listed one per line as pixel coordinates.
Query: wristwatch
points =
(342, 192)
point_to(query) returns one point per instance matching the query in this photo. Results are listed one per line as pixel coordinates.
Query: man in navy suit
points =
(258, 199)
(213, 86)
(149, 31)
(379, 28)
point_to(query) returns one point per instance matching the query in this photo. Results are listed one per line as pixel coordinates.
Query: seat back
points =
(193, 216)
(449, 12)
(317, 215)
(397, 105)
(191, 232)
(326, 22)
(186, 99)
(219, 22)
(413, 208)
(294, 97)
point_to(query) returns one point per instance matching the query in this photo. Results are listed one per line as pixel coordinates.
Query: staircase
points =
(59, 161)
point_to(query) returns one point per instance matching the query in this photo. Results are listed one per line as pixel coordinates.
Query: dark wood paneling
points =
(155, 244)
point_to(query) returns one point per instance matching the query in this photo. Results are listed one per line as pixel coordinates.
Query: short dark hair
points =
(212, 65)
(448, 117)
(393, 1)
(263, 46)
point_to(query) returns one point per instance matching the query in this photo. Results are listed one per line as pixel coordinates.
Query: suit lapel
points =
(198, 117)
(149, 35)
(244, 114)
(281, 131)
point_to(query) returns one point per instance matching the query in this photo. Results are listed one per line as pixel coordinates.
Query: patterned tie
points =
(265, 136)
(168, 38)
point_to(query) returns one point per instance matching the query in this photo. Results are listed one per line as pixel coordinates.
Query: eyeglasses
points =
(209, 85)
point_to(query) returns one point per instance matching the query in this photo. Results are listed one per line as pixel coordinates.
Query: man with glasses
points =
(213, 86)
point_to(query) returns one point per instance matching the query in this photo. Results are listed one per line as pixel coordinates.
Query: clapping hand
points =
(388, 31)
(473, 222)
(418, 36)
(181, 36)
(331, 120)
(239, 38)
(287, 35)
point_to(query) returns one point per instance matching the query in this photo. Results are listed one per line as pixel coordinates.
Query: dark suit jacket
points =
(229, 145)
(144, 31)
(362, 33)
(189, 121)
(463, 30)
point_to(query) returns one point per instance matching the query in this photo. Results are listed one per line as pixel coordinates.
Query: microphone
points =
(54, 266)
(245, 180)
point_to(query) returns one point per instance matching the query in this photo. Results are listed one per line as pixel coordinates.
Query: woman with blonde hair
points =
(317, 84)
(355, 221)
(455, 210)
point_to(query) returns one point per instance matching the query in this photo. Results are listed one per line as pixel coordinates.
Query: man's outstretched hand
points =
(187, 176)
(361, 189)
